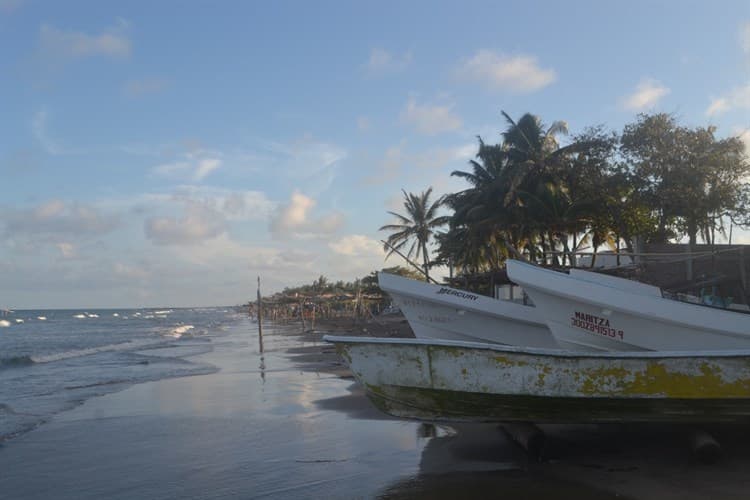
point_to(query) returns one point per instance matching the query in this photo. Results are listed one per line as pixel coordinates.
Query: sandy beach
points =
(291, 423)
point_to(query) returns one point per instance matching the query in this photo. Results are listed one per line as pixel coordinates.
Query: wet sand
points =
(291, 423)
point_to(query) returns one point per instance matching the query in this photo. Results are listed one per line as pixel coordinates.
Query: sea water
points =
(53, 360)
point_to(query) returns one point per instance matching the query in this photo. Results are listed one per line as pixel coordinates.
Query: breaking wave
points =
(179, 331)
(18, 361)
(123, 346)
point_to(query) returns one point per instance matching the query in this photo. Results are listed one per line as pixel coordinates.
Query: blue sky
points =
(167, 153)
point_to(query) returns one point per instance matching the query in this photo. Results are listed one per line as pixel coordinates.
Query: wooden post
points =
(743, 274)
(260, 318)
(312, 320)
(357, 306)
(689, 263)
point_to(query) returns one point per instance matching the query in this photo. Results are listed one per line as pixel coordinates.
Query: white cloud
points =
(717, 106)
(381, 61)
(294, 219)
(112, 42)
(737, 98)
(295, 213)
(205, 167)
(56, 217)
(357, 245)
(199, 222)
(194, 166)
(233, 205)
(519, 73)
(39, 130)
(647, 94)
(430, 120)
(244, 205)
(54, 228)
(67, 250)
(143, 86)
(306, 160)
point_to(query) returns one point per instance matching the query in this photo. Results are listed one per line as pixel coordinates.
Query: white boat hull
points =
(590, 315)
(439, 312)
(462, 381)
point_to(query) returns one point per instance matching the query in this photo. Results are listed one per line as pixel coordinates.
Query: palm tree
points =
(481, 225)
(526, 193)
(416, 228)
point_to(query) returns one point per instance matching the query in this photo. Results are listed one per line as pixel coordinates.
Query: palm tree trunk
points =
(575, 248)
(566, 250)
(426, 261)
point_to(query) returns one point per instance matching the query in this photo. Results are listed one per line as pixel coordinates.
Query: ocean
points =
(54, 360)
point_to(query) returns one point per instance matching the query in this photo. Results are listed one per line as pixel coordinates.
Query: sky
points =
(168, 153)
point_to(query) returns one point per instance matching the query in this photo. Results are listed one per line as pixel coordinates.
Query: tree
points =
(688, 179)
(527, 193)
(416, 228)
(475, 240)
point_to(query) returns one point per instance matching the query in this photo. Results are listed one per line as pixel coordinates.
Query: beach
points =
(290, 422)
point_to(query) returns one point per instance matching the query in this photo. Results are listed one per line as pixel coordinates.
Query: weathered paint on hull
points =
(460, 381)
(453, 406)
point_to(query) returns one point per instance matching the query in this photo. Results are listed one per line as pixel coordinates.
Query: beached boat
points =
(464, 381)
(441, 312)
(609, 313)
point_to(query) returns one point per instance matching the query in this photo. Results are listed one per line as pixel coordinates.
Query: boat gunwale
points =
(630, 301)
(536, 351)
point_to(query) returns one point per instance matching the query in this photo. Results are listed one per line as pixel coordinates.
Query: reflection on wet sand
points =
(477, 460)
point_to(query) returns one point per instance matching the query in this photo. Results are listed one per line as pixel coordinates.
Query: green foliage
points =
(687, 178)
(416, 228)
(530, 195)
(367, 285)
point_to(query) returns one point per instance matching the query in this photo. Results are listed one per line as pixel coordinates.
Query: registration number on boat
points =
(596, 324)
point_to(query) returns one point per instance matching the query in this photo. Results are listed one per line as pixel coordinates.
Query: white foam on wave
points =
(19, 320)
(42, 318)
(4, 323)
(166, 311)
(79, 316)
(115, 314)
(91, 315)
(179, 331)
(123, 346)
